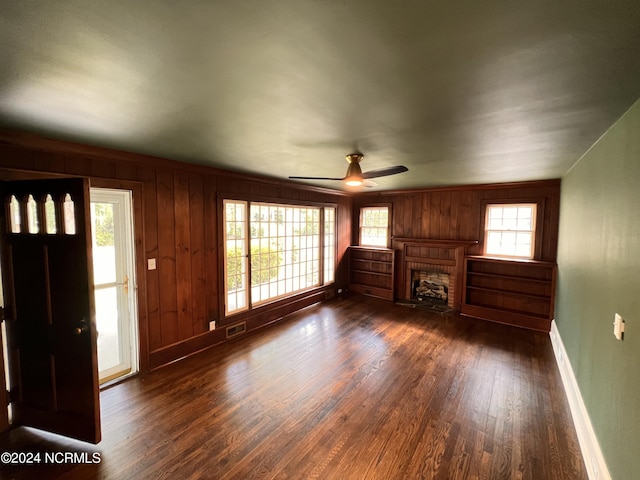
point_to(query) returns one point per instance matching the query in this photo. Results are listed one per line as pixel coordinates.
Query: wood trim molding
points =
(449, 188)
(540, 216)
(437, 242)
(591, 452)
(357, 218)
(34, 142)
(456, 265)
(222, 195)
(137, 193)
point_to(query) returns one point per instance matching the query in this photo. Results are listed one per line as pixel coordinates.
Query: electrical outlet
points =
(212, 325)
(618, 326)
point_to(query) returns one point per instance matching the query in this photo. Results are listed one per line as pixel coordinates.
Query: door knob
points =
(80, 329)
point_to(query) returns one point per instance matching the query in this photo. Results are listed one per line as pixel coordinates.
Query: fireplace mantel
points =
(436, 241)
(436, 254)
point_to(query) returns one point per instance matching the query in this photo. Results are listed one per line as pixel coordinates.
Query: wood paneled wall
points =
(178, 204)
(176, 208)
(457, 213)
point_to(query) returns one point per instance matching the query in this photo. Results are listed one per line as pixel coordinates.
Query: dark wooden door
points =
(49, 306)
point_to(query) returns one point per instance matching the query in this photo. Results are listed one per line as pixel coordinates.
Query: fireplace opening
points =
(430, 287)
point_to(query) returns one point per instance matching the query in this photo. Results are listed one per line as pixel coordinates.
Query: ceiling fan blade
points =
(383, 172)
(316, 178)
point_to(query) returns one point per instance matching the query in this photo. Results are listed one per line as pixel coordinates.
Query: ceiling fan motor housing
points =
(354, 171)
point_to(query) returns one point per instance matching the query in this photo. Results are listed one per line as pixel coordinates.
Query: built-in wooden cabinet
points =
(371, 271)
(516, 292)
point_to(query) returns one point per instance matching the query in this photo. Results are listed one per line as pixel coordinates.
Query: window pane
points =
(285, 250)
(493, 242)
(50, 216)
(16, 218)
(109, 354)
(104, 250)
(508, 245)
(374, 223)
(495, 223)
(235, 256)
(69, 213)
(277, 252)
(510, 230)
(329, 245)
(523, 224)
(32, 215)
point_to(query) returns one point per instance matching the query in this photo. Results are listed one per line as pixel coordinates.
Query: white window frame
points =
(240, 293)
(329, 233)
(382, 241)
(318, 247)
(511, 227)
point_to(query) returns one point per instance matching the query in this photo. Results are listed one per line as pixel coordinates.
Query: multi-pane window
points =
(374, 226)
(510, 230)
(275, 250)
(285, 253)
(235, 254)
(329, 244)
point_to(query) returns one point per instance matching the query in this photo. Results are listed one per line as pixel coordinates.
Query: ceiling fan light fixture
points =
(353, 181)
(353, 178)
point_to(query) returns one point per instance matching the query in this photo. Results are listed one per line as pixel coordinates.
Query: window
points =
(235, 254)
(329, 244)
(275, 250)
(15, 216)
(32, 215)
(50, 215)
(374, 226)
(510, 230)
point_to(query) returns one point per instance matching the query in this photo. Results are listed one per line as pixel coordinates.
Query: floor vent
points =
(237, 329)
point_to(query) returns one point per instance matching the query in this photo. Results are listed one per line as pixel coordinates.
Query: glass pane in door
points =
(112, 269)
(109, 354)
(104, 250)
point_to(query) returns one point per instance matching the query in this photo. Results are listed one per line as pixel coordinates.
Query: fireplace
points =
(430, 287)
(431, 261)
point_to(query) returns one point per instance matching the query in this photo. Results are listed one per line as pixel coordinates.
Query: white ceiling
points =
(460, 92)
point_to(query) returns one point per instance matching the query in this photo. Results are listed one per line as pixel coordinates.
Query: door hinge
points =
(9, 400)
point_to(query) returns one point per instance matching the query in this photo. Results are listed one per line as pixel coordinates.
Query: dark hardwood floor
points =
(353, 389)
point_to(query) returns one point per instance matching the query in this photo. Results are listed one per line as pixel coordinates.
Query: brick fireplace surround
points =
(446, 256)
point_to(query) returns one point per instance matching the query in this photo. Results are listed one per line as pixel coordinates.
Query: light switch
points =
(618, 327)
(151, 264)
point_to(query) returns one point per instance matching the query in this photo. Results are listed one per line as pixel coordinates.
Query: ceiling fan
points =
(355, 177)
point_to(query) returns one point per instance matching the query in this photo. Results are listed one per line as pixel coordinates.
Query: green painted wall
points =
(599, 275)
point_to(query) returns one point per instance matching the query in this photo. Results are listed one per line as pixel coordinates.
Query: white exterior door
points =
(114, 279)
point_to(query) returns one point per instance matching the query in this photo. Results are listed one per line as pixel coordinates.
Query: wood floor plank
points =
(352, 389)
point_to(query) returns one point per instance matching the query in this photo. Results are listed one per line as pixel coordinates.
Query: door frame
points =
(137, 196)
(126, 259)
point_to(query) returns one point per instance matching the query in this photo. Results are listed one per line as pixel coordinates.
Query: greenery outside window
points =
(374, 226)
(275, 250)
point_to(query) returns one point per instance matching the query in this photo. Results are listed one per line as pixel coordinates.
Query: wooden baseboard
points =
(593, 458)
(254, 320)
